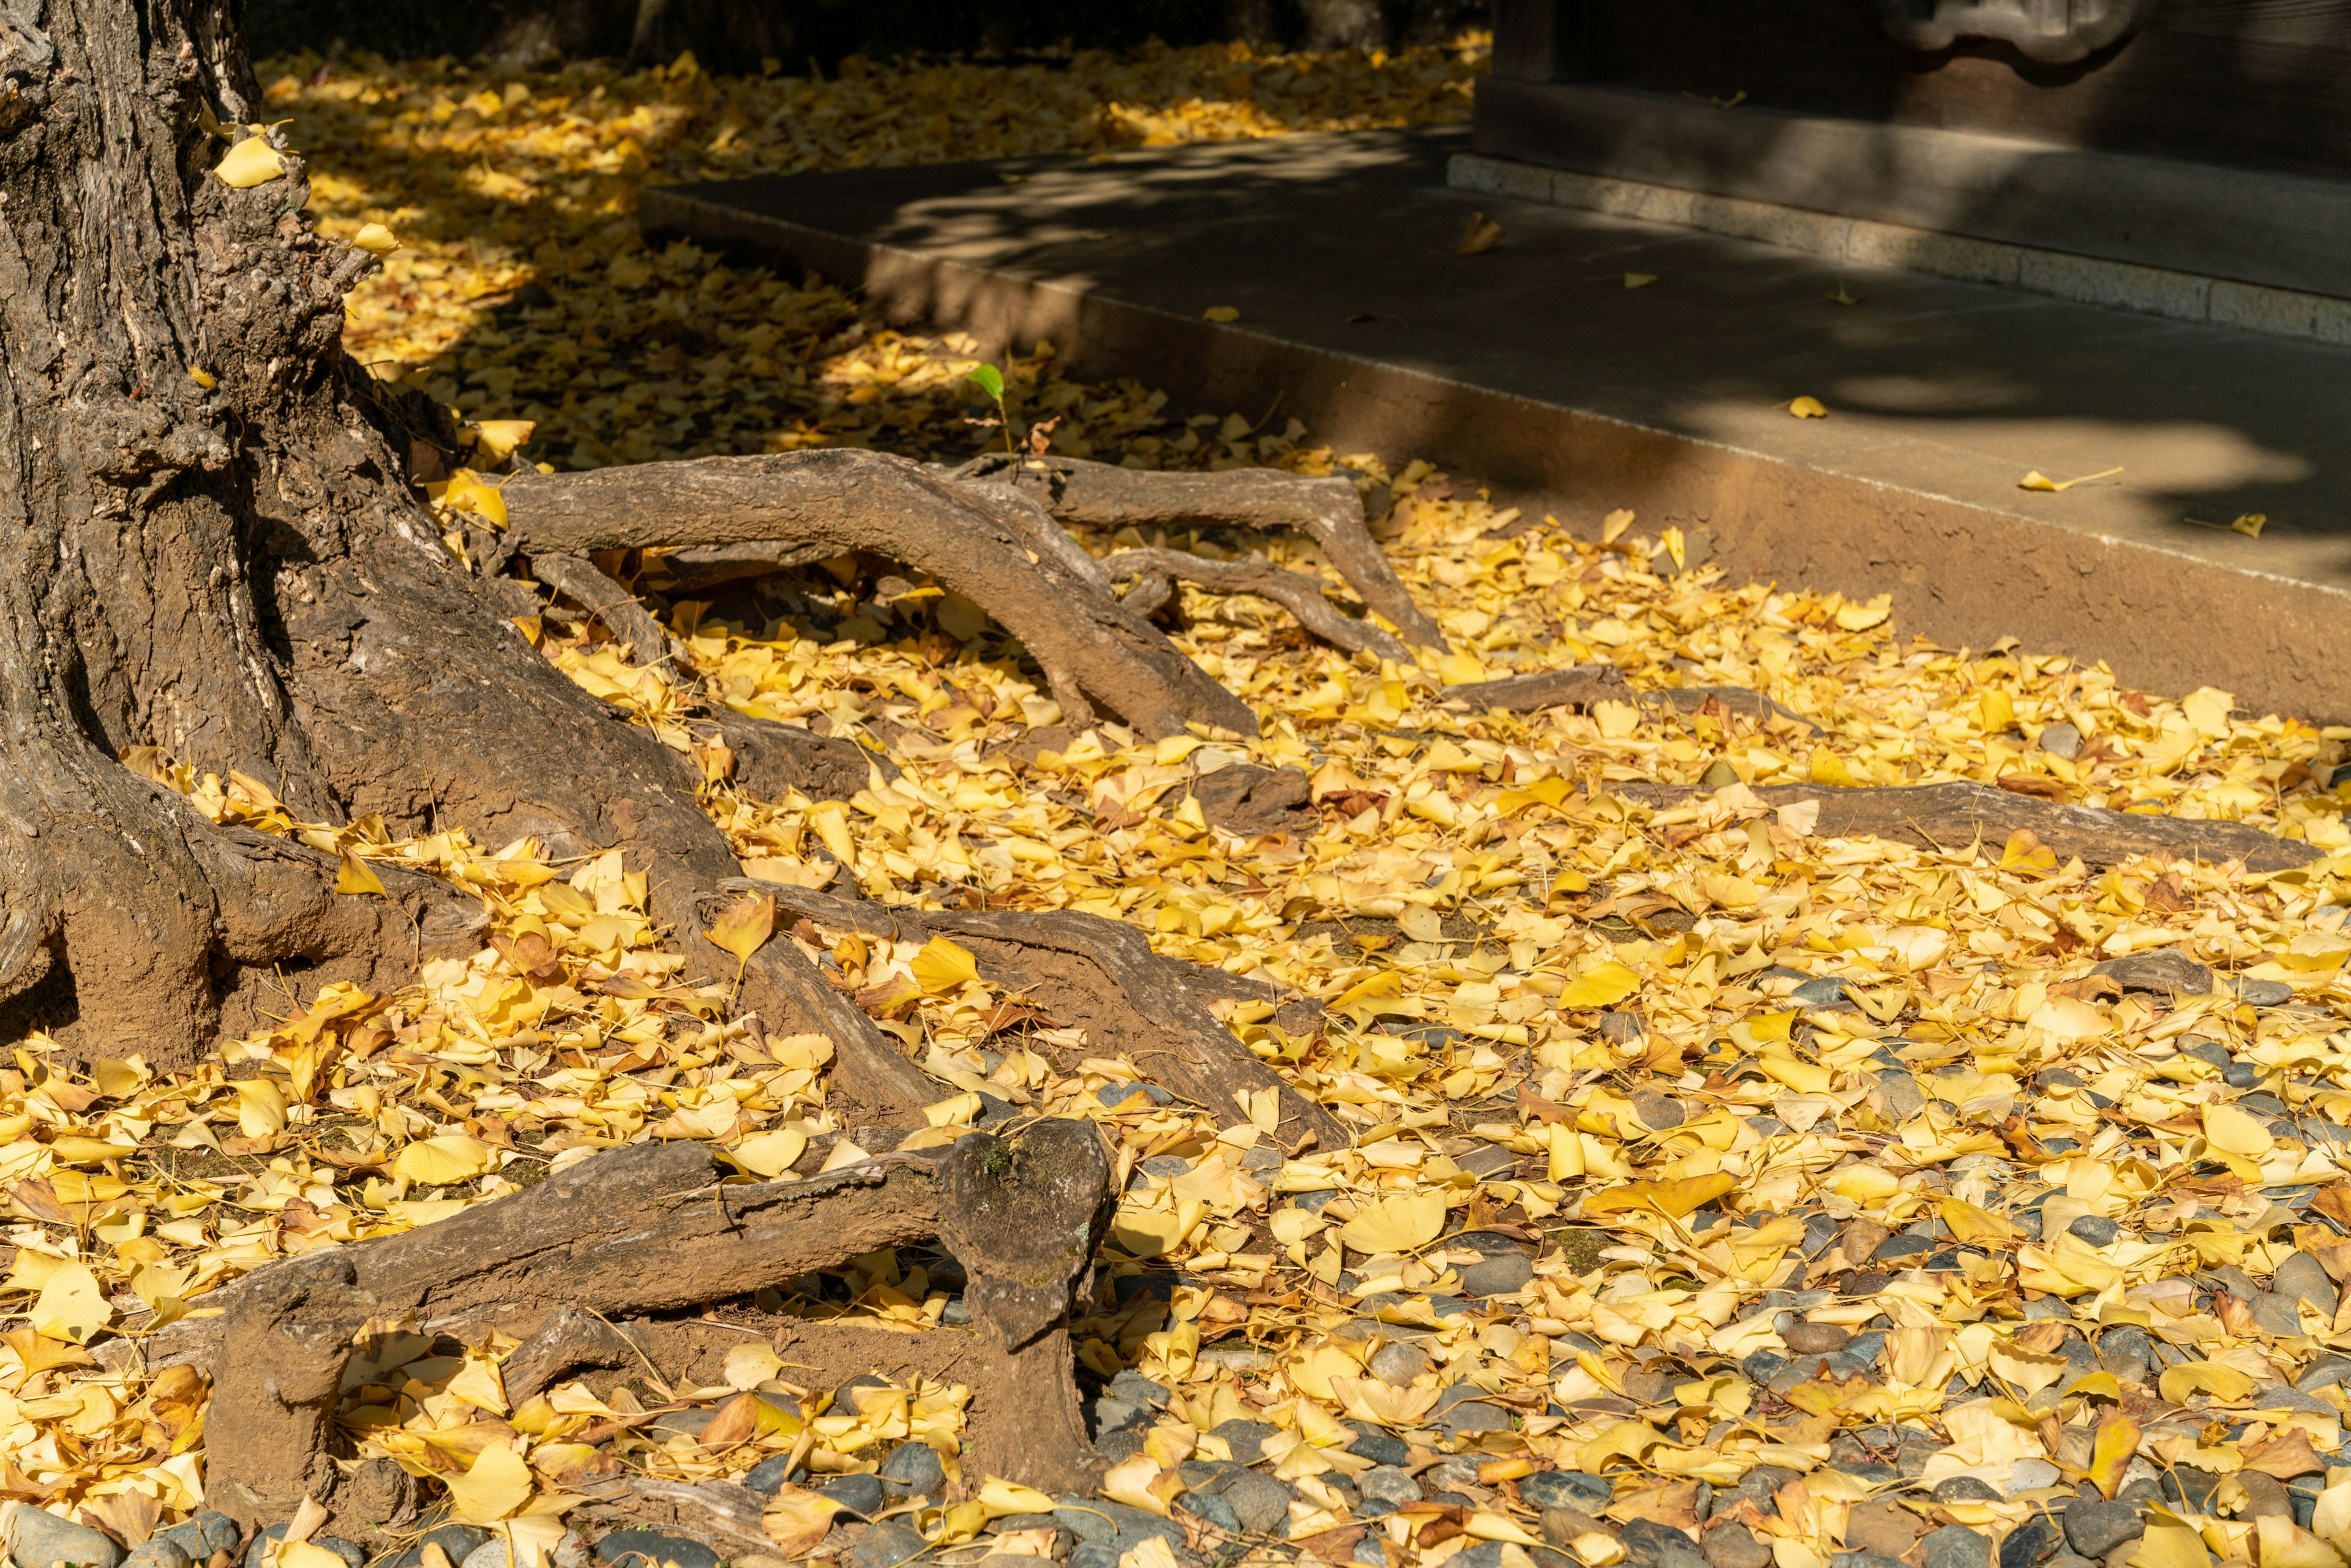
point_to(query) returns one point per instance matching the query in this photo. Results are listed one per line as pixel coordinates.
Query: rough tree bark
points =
(209, 549)
(649, 1229)
(205, 546)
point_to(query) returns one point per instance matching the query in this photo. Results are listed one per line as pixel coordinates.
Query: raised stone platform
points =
(1535, 368)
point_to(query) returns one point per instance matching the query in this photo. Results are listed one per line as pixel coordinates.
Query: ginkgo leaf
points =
(772, 1152)
(2251, 524)
(1130, 1482)
(260, 1107)
(1675, 1199)
(71, 1306)
(1808, 408)
(987, 379)
(2115, 1447)
(2169, 1544)
(252, 161)
(955, 1111)
(445, 1160)
(1479, 236)
(353, 874)
(2036, 480)
(1003, 1498)
(744, 926)
(304, 1555)
(477, 1382)
(795, 1518)
(1396, 1224)
(750, 1363)
(1639, 279)
(2024, 851)
(375, 239)
(2221, 1381)
(2236, 1132)
(496, 439)
(942, 966)
(1601, 985)
(2285, 1545)
(1220, 313)
(496, 1485)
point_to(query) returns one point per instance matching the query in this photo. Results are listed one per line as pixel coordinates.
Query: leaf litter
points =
(1713, 1183)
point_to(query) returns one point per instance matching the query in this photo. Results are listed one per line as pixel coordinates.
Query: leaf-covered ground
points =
(1714, 1185)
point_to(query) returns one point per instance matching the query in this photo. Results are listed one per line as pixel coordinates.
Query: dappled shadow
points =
(1345, 244)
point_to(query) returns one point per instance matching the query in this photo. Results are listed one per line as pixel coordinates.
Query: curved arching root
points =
(650, 1229)
(1092, 650)
(1329, 511)
(1293, 591)
(1083, 970)
(991, 532)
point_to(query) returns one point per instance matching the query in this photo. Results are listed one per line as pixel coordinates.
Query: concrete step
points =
(1532, 367)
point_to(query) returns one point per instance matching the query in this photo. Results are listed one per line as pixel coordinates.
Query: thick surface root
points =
(1329, 511)
(1950, 817)
(1092, 650)
(648, 1230)
(1099, 975)
(1293, 591)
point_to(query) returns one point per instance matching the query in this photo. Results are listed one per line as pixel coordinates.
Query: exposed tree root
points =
(1103, 495)
(1582, 686)
(769, 758)
(1578, 687)
(1293, 591)
(646, 1230)
(1099, 975)
(1955, 815)
(791, 995)
(1091, 648)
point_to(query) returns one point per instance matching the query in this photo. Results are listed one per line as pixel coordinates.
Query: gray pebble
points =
(157, 1551)
(456, 1541)
(1497, 1274)
(2094, 1229)
(1244, 1439)
(639, 1547)
(1398, 1364)
(1566, 1488)
(260, 1542)
(1372, 1444)
(913, 1469)
(767, 1477)
(2060, 740)
(1211, 1506)
(1733, 1545)
(1396, 1488)
(2301, 1275)
(1260, 1502)
(2275, 1315)
(886, 1545)
(2030, 1542)
(860, 1495)
(1955, 1546)
(1966, 1489)
(2127, 1351)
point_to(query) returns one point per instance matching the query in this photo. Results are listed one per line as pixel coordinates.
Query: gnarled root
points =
(1329, 511)
(646, 1230)
(1097, 975)
(770, 759)
(1947, 817)
(1293, 591)
(1091, 648)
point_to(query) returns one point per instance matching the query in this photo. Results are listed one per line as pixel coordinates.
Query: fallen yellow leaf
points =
(252, 161)
(1396, 1224)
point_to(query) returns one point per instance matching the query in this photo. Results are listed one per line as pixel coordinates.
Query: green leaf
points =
(990, 380)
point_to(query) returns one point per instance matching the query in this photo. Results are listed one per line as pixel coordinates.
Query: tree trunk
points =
(205, 545)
